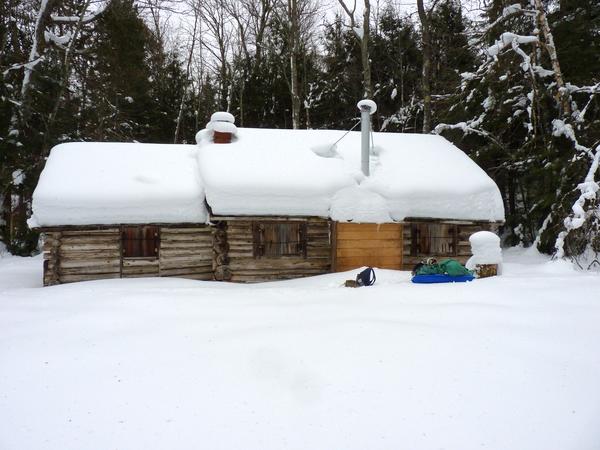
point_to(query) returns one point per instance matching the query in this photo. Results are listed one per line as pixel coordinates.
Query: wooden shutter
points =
(140, 241)
(277, 239)
(433, 239)
(420, 239)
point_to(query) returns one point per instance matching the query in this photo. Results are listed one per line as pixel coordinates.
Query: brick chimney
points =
(222, 125)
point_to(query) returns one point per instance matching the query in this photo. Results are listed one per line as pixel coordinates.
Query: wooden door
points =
(366, 244)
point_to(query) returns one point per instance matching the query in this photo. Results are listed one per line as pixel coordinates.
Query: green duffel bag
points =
(429, 269)
(453, 268)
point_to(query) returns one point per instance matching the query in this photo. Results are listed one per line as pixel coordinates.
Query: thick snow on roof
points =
(87, 183)
(270, 172)
(302, 172)
(264, 172)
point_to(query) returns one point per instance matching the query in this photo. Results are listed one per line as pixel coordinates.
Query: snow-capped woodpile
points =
(487, 254)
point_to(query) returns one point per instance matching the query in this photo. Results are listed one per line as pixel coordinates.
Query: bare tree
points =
(260, 12)
(362, 34)
(297, 18)
(218, 25)
(188, 71)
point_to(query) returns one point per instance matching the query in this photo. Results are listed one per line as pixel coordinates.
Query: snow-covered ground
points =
(511, 362)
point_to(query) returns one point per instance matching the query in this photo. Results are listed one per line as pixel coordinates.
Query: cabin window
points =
(279, 239)
(140, 241)
(433, 239)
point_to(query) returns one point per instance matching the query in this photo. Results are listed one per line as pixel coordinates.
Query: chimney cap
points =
(367, 105)
(222, 116)
(222, 127)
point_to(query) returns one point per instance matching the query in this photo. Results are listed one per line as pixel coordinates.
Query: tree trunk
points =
(364, 51)
(364, 43)
(563, 95)
(65, 79)
(187, 77)
(37, 45)
(426, 75)
(294, 85)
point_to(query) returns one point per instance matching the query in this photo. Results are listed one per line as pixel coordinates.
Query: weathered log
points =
(192, 276)
(89, 253)
(88, 277)
(140, 262)
(183, 263)
(277, 265)
(190, 245)
(204, 269)
(166, 253)
(105, 268)
(77, 247)
(185, 238)
(99, 232)
(134, 271)
(191, 230)
(88, 263)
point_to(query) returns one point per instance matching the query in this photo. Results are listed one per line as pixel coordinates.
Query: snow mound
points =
(359, 205)
(203, 135)
(86, 183)
(3, 250)
(325, 150)
(222, 116)
(222, 127)
(485, 247)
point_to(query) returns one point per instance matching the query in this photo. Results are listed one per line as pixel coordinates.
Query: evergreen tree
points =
(335, 93)
(534, 143)
(398, 72)
(120, 78)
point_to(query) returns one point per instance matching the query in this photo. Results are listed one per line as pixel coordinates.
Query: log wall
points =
(93, 254)
(81, 255)
(463, 253)
(244, 267)
(186, 252)
(227, 251)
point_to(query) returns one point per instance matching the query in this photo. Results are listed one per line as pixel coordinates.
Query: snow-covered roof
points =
(264, 172)
(86, 183)
(305, 172)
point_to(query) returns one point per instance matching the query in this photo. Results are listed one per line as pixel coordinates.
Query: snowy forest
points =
(515, 84)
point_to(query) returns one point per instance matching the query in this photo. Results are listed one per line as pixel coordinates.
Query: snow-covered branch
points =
(507, 13)
(52, 38)
(467, 128)
(87, 18)
(560, 128)
(572, 89)
(34, 54)
(510, 39)
(589, 189)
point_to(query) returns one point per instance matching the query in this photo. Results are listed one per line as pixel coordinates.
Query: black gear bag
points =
(366, 277)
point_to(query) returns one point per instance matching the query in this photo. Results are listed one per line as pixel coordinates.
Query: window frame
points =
(260, 248)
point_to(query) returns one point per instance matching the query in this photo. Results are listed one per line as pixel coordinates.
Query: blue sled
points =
(441, 278)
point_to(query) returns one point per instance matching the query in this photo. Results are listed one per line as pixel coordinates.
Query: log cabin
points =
(250, 205)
